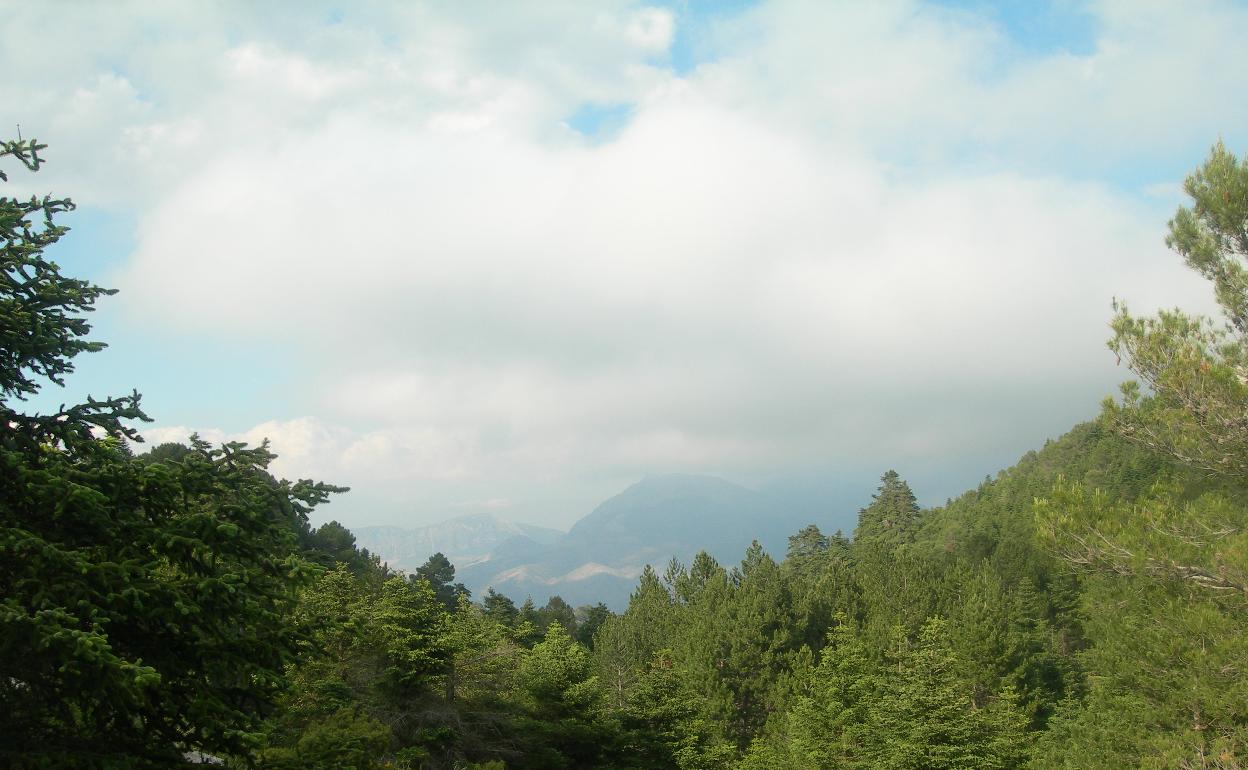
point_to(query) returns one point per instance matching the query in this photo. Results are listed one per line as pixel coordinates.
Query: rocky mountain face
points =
(600, 558)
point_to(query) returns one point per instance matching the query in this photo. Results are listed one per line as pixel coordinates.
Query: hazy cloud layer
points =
(857, 236)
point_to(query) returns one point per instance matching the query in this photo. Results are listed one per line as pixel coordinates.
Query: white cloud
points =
(651, 28)
(863, 233)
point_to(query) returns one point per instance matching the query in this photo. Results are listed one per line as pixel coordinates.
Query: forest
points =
(1085, 608)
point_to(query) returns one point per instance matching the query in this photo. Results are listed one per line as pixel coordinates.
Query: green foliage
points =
(825, 725)
(1196, 370)
(345, 738)
(501, 609)
(755, 657)
(664, 723)
(913, 710)
(625, 644)
(925, 718)
(41, 323)
(822, 582)
(893, 515)
(331, 544)
(1167, 630)
(588, 620)
(439, 573)
(566, 718)
(1166, 573)
(378, 655)
(143, 603)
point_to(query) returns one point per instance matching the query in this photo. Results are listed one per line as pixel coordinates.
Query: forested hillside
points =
(1084, 608)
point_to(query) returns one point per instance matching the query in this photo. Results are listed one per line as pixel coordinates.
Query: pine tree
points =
(1196, 370)
(821, 582)
(556, 610)
(1171, 566)
(664, 723)
(760, 644)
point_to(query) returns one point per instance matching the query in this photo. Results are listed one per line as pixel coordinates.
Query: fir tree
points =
(143, 605)
(893, 515)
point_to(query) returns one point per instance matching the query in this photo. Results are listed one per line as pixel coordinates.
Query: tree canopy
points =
(142, 603)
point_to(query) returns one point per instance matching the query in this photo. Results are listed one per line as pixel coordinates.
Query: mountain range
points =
(465, 540)
(601, 556)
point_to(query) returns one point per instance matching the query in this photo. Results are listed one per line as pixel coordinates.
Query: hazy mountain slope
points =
(464, 540)
(648, 523)
(680, 515)
(600, 558)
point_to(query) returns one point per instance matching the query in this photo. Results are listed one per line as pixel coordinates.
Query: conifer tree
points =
(824, 727)
(625, 644)
(821, 582)
(556, 610)
(440, 574)
(143, 605)
(567, 723)
(1195, 410)
(893, 514)
(1196, 370)
(500, 608)
(760, 642)
(367, 685)
(589, 619)
(664, 723)
(1170, 567)
(925, 718)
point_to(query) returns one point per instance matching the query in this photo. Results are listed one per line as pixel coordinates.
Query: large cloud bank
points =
(854, 236)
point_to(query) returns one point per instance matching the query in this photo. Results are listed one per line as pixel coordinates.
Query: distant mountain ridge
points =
(464, 540)
(600, 558)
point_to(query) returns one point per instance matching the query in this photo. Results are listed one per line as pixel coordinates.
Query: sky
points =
(471, 257)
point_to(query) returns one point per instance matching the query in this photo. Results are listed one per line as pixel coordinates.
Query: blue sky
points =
(465, 258)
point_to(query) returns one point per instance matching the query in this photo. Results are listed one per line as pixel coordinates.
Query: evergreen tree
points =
(556, 610)
(1196, 371)
(821, 582)
(331, 544)
(529, 626)
(500, 608)
(589, 619)
(1170, 568)
(323, 722)
(925, 718)
(893, 515)
(369, 685)
(664, 723)
(143, 604)
(482, 689)
(440, 574)
(760, 643)
(689, 584)
(625, 644)
(824, 727)
(567, 723)
(807, 550)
